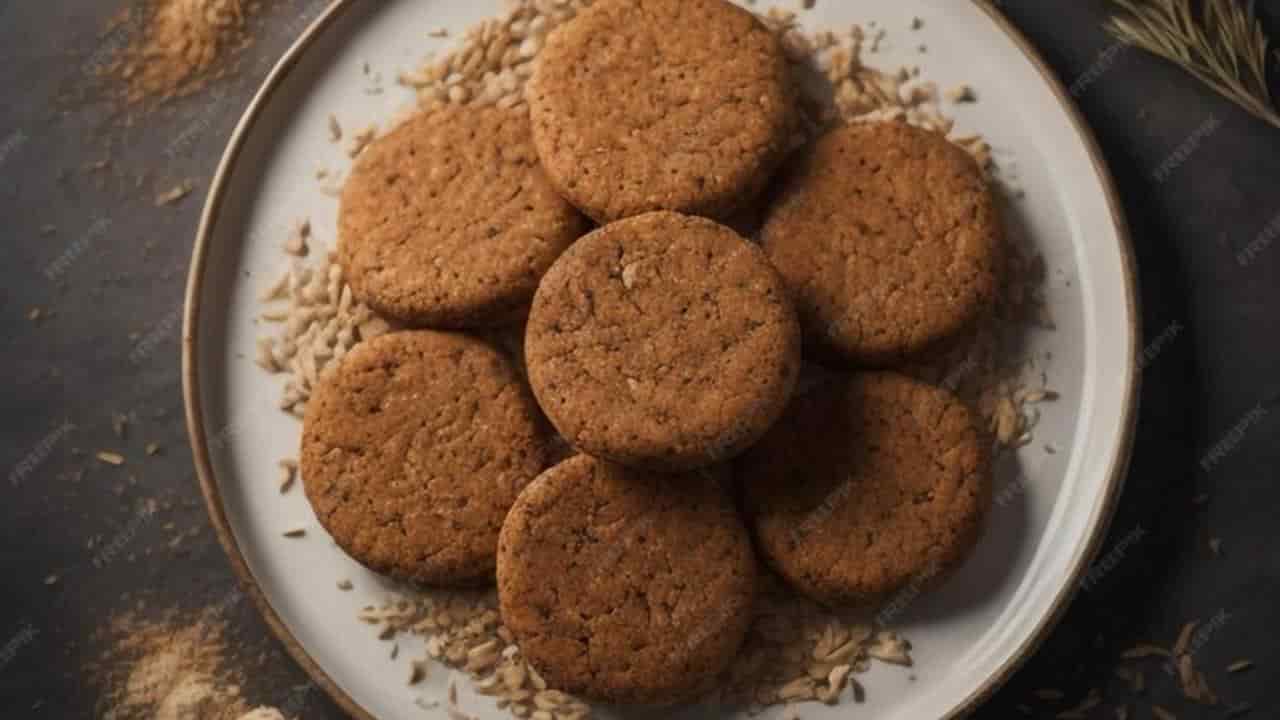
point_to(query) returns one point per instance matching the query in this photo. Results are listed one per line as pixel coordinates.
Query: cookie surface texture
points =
(867, 485)
(662, 341)
(448, 221)
(889, 239)
(642, 105)
(413, 450)
(623, 585)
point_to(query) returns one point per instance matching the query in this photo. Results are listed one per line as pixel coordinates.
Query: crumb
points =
(175, 194)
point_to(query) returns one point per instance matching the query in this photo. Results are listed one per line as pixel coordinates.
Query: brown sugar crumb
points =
(178, 47)
(170, 668)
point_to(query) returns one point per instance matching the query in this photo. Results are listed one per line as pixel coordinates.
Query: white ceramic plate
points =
(969, 636)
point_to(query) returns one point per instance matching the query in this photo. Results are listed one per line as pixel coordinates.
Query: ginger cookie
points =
(662, 341)
(413, 449)
(641, 105)
(448, 221)
(624, 585)
(889, 239)
(868, 484)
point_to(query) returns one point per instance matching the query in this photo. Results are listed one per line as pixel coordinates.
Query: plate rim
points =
(210, 488)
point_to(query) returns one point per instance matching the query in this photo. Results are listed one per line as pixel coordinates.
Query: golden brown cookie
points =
(889, 239)
(413, 450)
(642, 105)
(624, 585)
(868, 484)
(448, 221)
(663, 341)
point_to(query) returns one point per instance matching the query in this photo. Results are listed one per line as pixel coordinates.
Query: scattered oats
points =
(361, 140)
(1240, 666)
(34, 314)
(1144, 650)
(1162, 714)
(119, 424)
(176, 193)
(51, 580)
(417, 671)
(296, 245)
(110, 458)
(1184, 638)
(808, 4)
(439, 33)
(335, 129)
(1215, 546)
(295, 532)
(152, 449)
(346, 585)
(917, 23)
(288, 474)
(962, 94)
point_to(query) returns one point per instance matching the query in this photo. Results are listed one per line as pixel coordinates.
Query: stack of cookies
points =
(664, 348)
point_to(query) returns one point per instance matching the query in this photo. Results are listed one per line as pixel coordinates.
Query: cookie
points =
(641, 105)
(889, 239)
(413, 449)
(662, 341)
(599, 580)
(869, 484)
(448, 221)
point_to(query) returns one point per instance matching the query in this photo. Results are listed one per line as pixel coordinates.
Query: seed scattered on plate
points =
(417, 671)
(51, 580)
(335, 129)
(361, 140)
(1240, 666)
(345, 585)
(152, 449)
(288, 474)
(1162, 714)
(295, 532)
(962, 94)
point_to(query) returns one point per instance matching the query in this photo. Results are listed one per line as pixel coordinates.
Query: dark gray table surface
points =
(110, 282)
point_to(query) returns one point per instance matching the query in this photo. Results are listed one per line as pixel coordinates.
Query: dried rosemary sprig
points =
(1222, 44)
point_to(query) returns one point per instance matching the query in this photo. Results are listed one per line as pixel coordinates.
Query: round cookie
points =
(868, 484)
(413, 450)
(641, 105)
(599, 581)
(662, 341)
(889, 239)
(448, 221)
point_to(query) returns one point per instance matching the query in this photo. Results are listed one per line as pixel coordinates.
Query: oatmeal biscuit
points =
(413, 450)
(624, 585)
(662, 341)
(448, 221)
(868, 484)
(889, 240)
(643, 105)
